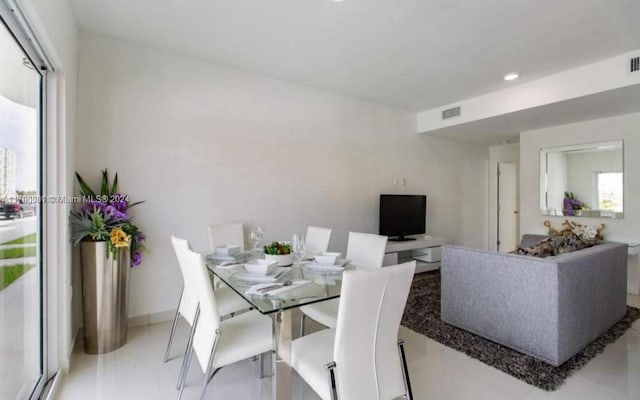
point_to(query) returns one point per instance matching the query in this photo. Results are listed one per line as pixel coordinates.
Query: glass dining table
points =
(308, 284)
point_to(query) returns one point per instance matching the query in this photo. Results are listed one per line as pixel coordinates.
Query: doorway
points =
(507, 207)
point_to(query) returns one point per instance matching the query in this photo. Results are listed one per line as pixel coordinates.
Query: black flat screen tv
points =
(402, 214)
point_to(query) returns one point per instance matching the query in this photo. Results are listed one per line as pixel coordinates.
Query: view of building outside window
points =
(609, 186)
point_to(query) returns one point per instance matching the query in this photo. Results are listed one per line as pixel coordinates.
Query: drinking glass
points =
(298, 248)
(255, 237)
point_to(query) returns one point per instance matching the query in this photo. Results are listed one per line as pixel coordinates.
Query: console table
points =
(633, 268)
(424, 249)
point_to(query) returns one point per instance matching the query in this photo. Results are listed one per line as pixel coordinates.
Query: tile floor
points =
(136, 371)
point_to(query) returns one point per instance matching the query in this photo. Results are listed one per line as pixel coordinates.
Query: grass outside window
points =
(10, 273)
(31, 238)
(18, 252)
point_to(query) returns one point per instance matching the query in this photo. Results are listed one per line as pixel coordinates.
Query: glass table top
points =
(308, 283)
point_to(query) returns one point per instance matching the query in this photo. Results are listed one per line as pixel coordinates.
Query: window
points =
(609, 190)
(22, 276)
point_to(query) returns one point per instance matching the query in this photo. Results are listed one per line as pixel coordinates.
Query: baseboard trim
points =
(150, 319)
(137, 321)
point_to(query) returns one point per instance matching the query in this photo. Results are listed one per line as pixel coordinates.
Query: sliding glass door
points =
(21, 275)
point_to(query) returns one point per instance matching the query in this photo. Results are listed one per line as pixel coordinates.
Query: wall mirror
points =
(583, 180)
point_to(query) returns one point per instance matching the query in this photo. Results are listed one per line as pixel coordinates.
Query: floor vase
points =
(105, 296)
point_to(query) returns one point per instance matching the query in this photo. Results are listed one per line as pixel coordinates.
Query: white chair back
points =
(188, 301)
(366, 341)
(221, 234)
(366, 250)
(209, 319)
(317, 239)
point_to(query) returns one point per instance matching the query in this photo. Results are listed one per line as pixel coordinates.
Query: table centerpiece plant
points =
(279, 251)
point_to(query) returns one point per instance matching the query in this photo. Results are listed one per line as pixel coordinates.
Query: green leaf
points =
(84, 188)
(114, 188)
(135, 204)
(104, 187)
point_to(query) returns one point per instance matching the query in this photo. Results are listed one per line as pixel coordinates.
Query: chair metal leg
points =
(208, 375)
(264, 359)
(405, 371)
(186, 361)
(173, 328)
(181, 378)
(304, 317)
(215, 371)
(332, 380)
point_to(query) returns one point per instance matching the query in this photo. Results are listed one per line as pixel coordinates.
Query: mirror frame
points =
(544, 171)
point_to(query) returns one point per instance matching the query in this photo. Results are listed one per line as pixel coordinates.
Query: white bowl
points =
(260, 267)
(327, 258)
(227, 250)
(282, 259)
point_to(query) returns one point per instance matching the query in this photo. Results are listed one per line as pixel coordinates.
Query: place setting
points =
(228, 254)
(231, 256)
(279, 256)
(327, 262)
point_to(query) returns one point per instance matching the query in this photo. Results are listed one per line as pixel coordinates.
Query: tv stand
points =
(424, 249)
(401, 239)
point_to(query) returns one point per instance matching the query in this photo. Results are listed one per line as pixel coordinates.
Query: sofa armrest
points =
(592, 294)
(507, 298)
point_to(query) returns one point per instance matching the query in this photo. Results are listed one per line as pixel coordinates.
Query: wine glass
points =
(255, 237)
(299, 249)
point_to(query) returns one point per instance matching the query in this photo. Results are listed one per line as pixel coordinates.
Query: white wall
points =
(204, 143)
(503, 153)
(623, 127)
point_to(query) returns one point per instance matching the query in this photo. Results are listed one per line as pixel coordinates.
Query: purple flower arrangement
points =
(105, 217)
(571, 204)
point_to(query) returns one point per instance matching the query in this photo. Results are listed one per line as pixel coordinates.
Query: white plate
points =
(247, 277)
(236, 257)
(340, 263)
(338, 267)
(260, 267)
(227, 250)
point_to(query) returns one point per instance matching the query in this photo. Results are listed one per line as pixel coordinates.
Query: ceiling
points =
(408, 54)
(503, 128)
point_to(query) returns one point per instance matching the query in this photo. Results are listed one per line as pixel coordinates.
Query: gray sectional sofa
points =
(549, 308)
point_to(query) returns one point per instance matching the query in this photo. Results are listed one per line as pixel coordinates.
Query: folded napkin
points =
(278, 287)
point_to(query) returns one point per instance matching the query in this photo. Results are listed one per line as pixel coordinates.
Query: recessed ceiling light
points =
(511, 76)
(338, 1)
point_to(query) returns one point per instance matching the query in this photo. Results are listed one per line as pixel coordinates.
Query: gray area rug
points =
(422, 315)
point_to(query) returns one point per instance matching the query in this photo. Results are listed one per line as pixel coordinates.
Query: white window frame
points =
(13, 17)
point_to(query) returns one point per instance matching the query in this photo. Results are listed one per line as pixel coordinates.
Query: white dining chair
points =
(317, 240)
(364, 250)
(221, 234)
(362, 358)
(219, 343)
(228, 301)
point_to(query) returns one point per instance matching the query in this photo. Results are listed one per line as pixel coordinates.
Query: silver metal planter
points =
(105, 297)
